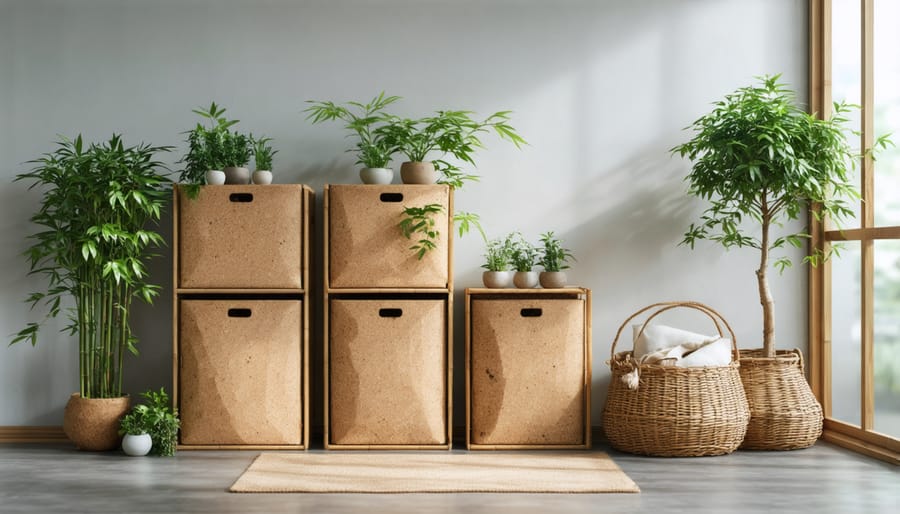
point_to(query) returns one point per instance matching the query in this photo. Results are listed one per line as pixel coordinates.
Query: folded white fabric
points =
(712, 353)
(658, 337)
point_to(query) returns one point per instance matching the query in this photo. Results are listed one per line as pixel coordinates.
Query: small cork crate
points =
(241, 316)
(528, 368)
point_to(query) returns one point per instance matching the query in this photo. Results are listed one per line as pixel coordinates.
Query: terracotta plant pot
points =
(215, 177)
(376, 175)
(525, 279)
(237, 175)
(262, 177)
(418, 173)
(497, 279)
(93, 423)
(137, 445)
(553, 279)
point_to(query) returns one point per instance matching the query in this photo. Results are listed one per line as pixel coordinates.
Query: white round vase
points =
(137, 445)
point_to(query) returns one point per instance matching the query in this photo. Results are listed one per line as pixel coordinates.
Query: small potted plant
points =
(151, 427)
(498, 255)
(236, 151)
(553, 258)
(448, 133)
(374, 149)
(262, 154)
(205, 158)
(524, 257)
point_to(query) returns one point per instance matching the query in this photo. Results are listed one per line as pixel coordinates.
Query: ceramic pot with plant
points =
(94, 252)
(151, 427)
(759, 156)
(427, 141)
(262, 154)
(553, 258)
(236, 151)
(524, 257)
(205, 158)
(373, 149)
(498, 263)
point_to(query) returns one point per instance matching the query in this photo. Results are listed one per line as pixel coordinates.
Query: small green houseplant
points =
(374, 149)
(153, 420)
(524, 257)
(421, 221)
(262, 155)
(553, 258)
(100, 202)
(498, 255)
(206, 150)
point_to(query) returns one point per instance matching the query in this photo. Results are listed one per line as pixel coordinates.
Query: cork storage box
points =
(247, 236)
(528, 370)
(366, 248)
(388, 375)
(240, 370)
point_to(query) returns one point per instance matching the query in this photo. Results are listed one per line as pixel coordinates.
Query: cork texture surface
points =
(388, 372)
(241, 237)
(366, 247)
(527, 371)
(240, 372)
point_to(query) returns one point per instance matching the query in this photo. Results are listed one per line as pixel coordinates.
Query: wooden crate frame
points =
(500, 294)
(273, 294)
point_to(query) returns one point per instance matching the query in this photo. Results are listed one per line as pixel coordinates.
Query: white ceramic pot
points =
(237, 175)
(553, 279)
(376, 175)
(525, 279)
(262, 177)
(137, 445)
(418, 172)
(497, 279)
(215, 177)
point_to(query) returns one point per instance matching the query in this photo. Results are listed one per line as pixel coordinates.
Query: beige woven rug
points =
(357, 472)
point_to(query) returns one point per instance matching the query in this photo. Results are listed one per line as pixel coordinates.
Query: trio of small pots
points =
(524, 279)
(410, 173)
(237, 175)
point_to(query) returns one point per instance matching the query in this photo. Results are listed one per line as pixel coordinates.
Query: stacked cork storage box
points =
(241, 316)
(388, 321)
(528, 368)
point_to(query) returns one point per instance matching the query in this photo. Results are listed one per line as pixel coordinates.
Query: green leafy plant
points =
(374, 149)
(262, 153)
(449, 133)
(236, 149)
(524, 254)
(498, 254)
(206, 147)
(156, 418)
(553, 257)
(420, 220)
(93, 245)
(759, 157)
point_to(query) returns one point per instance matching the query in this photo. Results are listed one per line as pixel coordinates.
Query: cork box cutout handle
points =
(391, 197)
(390, 313)
(531, 312)
(241, 197)
(239, 313)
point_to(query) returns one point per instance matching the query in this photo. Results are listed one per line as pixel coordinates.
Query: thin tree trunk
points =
(765, 295)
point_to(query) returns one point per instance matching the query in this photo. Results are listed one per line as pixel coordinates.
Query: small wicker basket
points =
(674, 411)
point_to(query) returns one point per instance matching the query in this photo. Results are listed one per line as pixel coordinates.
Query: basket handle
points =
(665, 306)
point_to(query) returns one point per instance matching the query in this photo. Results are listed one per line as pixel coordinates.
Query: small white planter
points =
(215, 177)
(137, 445)
(553, 279)
(525, 279)
(237, 175)
(376, 175)
(262, 177)
(497, 279)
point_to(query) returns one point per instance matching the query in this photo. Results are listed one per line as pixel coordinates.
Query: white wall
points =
(601, 90)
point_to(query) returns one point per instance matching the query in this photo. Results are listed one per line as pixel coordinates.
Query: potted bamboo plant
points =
(760, 160)
(96, 234)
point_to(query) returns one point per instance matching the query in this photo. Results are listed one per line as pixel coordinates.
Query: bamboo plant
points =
(95, 237)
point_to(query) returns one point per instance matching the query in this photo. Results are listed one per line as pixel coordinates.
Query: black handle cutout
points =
(392, 197)
(532, 313)
(241, 197)
(238, 313)
(390, 313)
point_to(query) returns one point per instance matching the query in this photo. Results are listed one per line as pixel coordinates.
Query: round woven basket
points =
(674, 411)
(784, 413)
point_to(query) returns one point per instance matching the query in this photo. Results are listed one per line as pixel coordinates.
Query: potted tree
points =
(262, 155)
(151, 427)
(553, 258)
(206, 153)
(524, 257)
(373, 148)
(759, 157)
(92, 246)
(498, 260)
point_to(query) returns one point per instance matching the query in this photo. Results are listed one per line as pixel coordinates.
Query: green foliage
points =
(236, 149)
(93, 244)
(498, 254)
(156, 418)
(524, 254)
(373, 149)
(452, 133)
(212, 147)
(553, 256)
(262, 153)
(420, 220)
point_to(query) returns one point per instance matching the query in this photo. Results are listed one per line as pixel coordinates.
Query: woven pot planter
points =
(669, 411)
(93, 423)
(784, 413)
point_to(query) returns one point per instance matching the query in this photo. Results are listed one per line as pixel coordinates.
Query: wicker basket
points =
(675, 412)
(784, 413)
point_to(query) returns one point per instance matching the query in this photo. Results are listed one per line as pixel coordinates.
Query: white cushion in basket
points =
(657, 337)
(716, 353)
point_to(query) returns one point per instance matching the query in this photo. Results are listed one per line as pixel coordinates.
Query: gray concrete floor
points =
(824, 478)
